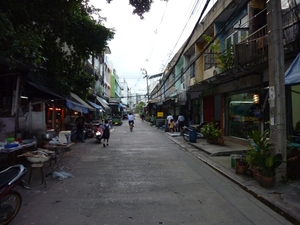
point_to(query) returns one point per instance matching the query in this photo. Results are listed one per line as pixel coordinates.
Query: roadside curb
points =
(247, 184)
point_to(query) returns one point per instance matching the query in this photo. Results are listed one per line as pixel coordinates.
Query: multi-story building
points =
(225, 64)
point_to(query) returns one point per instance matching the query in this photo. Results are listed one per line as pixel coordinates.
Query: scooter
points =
(98, 132)
(186, 132)
(89, 133)
(11, 200)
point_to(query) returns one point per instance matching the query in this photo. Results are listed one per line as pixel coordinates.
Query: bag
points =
(106, 130)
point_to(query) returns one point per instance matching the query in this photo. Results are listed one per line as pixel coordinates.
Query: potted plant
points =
(251, 160)
(241, 166)
(259, 145)
(261, 156)
(211, 132)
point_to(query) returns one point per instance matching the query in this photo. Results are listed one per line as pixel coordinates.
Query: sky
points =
(149, 43)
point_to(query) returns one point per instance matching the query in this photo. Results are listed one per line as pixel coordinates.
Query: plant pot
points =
(254, 173)
(266, 182)
(221, 141)
(212, 140)
(241, 167)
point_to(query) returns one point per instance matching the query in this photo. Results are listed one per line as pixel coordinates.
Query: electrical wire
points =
(156, 32)
(199, 54)
(189, 14)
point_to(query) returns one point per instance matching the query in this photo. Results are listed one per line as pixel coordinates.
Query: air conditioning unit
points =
(182, 86)
(216, 71)
(192, 81)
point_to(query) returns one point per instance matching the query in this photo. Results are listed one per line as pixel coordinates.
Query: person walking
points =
(171, 126)
(79, 128)
(143, 117)
(106, 133)
(168, 120)
(180, 122)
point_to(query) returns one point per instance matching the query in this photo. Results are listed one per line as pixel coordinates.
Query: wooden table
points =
(59, 152)
(11, 153)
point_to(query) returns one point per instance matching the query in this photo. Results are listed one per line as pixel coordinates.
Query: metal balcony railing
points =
(254, 49)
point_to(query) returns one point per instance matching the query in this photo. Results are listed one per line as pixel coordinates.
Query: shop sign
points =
(160, 114)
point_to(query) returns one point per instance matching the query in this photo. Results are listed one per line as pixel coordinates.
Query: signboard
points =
(160, 114)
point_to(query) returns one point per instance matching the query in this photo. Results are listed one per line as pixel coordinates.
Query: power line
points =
(155, 32)
(200, 53)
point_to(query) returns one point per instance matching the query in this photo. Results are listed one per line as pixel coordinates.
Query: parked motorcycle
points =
(187, 130)
(89, 132)
(98, 132)
(11, 200)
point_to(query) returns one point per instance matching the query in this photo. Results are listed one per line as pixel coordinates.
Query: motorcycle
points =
(186, 132)
(11, 200)
(89, 133)
(98, 132)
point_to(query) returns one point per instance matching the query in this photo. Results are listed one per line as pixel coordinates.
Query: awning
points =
(45, 89)
(77, 98)
(69, 103)
(103, 103)
(155, 100)
(95, 105)
(76, 106)
(292, 75)
(120, 105)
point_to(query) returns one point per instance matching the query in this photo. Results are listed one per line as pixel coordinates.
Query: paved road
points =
(142, 177)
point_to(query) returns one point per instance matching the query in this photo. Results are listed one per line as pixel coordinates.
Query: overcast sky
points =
(148, 43)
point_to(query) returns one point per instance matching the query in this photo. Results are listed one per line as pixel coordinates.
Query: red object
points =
(19, 140)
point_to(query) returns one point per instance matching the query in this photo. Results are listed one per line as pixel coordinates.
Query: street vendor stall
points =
(9, 152)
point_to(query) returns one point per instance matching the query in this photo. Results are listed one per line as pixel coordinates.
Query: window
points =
(235, 38)
(181, 75)
(209, 60)
(192, 70)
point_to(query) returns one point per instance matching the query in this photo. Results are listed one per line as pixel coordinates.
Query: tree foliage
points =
(140, 6)
(139, 106)
(53, 38)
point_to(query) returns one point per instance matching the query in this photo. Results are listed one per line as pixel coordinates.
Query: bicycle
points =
(187, 130)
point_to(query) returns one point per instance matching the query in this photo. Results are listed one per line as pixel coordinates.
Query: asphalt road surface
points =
(142, 177)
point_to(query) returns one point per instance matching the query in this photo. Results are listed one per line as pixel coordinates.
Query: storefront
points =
(244, 115)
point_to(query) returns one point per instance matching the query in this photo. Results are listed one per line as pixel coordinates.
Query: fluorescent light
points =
(25, 97)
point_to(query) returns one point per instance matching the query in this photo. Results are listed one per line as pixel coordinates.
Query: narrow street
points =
(142, 177)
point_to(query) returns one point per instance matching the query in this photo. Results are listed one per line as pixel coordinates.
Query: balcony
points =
(253, 51)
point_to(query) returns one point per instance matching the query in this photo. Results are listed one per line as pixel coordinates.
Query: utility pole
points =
(276, 82)
(147, 78)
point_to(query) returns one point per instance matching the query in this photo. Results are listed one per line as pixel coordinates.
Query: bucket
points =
(193, 136)
(233, 159)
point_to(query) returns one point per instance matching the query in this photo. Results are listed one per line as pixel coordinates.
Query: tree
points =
(139, 106)
(54, 44)
(140, 6)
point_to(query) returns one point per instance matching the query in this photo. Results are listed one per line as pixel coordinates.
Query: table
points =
(59, 152)
(11, 153)
(21, 146)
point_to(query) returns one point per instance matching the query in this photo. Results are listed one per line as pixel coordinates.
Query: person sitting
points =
(131, 119)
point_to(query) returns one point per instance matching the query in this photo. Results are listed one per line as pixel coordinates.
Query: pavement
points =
(284, 197)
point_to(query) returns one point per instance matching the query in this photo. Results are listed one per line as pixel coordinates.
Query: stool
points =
(38, 166)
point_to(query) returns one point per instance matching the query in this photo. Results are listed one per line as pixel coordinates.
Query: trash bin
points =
(193, 136)
(234, 157)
